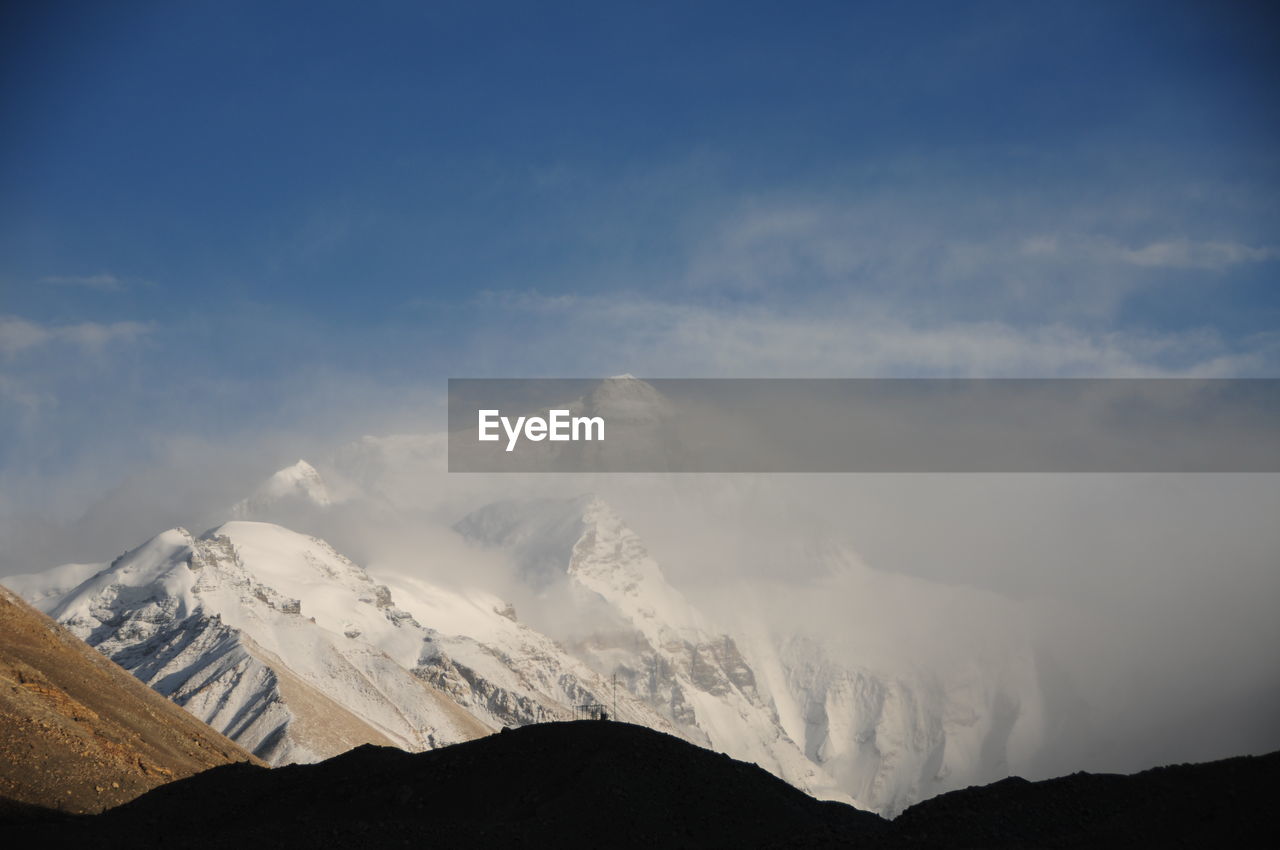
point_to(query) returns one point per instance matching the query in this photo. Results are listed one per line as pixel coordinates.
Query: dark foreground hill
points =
(1228, 803)
(78, 733)
(596, 784)
(584, 784)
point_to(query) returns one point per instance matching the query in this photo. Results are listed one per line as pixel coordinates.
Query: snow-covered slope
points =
(500, 669)
(295, 652)
(272, 638)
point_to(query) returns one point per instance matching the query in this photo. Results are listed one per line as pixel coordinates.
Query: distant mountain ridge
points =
(294, 650)
(291, 649)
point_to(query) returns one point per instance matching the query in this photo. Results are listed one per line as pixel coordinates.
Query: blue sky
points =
(225, 219)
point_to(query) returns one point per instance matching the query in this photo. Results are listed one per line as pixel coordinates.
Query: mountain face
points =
(863, 716)
(79, 734)
(654, 642)
(296, 653)
(899, 688)
(896, 738)
(217, 624)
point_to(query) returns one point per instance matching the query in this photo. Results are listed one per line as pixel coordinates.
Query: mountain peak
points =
(297, 483)
(302, 479)
(582, 540)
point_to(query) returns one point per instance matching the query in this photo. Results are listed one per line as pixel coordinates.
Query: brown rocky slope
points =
(78, 733)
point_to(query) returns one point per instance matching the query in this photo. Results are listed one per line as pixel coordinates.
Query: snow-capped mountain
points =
(644, 631)
(272, 638)
(299, 484)
(899, 688)
(861, 706)
(297, 654)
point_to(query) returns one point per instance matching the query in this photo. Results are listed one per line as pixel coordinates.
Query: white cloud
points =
(18, 334)
(1188, 254)
(975, 259)
(29, 400)
(862, 339)
(766, 248)
(94, 335)
(1167, 254)
(101, 282)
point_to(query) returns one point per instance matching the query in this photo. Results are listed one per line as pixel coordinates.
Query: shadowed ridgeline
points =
(607, 784)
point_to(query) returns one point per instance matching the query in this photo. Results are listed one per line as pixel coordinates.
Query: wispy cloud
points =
(100, 282)
(18, 334)
(26, 398)
(861, 338)
(1189, 254)
(963, 260)
(1180, 253)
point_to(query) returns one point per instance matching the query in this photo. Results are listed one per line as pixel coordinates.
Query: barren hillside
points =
(78, 733)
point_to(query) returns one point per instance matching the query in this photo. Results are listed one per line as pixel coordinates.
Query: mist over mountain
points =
(733, 611)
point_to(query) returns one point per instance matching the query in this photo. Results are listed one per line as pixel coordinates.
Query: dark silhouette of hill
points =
(77, 732)
(583, 784)
(1228, 803)
(604, 784)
